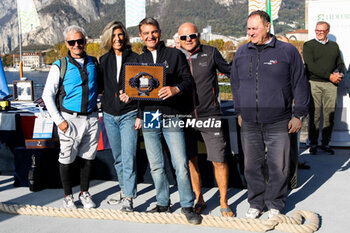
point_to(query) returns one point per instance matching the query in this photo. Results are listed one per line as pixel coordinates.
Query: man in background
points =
(324, 68)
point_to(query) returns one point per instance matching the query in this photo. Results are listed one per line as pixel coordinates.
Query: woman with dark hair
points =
(120, 118)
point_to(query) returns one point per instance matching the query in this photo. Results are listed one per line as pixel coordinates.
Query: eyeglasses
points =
(79, 41)
(321, 31)
(191, 36)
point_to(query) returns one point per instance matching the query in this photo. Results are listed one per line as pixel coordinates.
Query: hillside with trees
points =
(225, 20)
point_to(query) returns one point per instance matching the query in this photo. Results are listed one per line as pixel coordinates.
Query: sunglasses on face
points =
(79, 41)
(191, 36)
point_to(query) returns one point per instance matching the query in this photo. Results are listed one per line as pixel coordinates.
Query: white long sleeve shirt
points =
(50, 90)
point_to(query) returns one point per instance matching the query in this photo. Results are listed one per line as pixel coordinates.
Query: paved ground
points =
(323, 189)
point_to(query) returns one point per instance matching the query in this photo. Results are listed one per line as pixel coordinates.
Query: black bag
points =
(33, 177)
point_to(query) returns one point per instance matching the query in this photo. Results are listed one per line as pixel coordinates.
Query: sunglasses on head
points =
(79, 41)
(191, 36)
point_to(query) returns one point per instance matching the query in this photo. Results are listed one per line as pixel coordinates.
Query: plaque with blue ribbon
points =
(143, 81)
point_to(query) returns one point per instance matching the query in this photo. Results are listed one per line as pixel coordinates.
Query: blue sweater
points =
(265, 83)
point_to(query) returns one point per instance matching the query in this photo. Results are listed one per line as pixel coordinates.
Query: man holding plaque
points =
(161, 118)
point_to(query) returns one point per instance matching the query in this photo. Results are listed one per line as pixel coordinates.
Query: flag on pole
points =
(254, 5)
(269, 6)
(135, 11)
(4, 89)
(27, 16)
(275, 7)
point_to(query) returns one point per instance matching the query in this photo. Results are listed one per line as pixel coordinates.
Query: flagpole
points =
(20, 42)
(268, 10)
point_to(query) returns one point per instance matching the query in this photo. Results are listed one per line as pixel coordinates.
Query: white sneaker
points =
(86, 200)
(117, 199)
(253, 213)
(68, 202)
(273, 212)
(127, 205)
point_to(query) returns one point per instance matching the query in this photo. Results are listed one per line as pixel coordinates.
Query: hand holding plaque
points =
(142, 82)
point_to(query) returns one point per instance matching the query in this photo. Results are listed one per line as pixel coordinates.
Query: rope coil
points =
(303, 221)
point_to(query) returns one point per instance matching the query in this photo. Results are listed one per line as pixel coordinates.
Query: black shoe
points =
(303, 165)
(160, 209)
(191, 216)
(313, 150)
(327, 149)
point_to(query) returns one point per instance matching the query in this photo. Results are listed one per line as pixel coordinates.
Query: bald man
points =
(204, 60)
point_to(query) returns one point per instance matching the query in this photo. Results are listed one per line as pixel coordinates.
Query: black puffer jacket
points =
(111, 103)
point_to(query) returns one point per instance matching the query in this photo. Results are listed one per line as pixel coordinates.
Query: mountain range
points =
(226, 17)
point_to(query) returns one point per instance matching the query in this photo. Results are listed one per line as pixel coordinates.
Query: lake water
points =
(38, 77)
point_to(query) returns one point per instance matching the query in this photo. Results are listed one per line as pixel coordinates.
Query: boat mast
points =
(20, 42)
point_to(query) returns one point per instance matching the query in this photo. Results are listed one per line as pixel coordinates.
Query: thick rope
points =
(301, 222)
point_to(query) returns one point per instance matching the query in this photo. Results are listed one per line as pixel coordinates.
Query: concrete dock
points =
(324, 189)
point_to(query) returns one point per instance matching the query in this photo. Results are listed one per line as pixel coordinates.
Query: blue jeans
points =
(122, 137)
(275, 137)
(175, 140)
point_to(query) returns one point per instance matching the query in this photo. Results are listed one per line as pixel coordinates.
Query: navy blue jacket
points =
(265, 83)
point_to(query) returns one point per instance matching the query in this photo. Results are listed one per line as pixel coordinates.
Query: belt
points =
(80, 114)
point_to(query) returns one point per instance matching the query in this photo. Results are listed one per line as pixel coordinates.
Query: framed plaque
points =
(23, 90)
(143, 81)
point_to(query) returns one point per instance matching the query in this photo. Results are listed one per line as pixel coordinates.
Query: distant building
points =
(29, 59)
(300, 34)
(135, 39)
(96, 40)
(206, 33)
(170, 43)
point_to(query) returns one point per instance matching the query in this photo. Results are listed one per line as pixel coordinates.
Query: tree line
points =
(59, 50)
(94, 49)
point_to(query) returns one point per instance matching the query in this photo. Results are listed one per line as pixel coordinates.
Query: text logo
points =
(320, 17)
(271, 62)
(151, 120)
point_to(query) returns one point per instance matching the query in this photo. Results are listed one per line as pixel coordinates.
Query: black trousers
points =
(69, 171)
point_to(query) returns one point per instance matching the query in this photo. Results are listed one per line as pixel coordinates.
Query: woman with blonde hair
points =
(119, 117)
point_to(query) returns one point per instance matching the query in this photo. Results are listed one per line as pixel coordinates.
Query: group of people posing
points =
(271, 95)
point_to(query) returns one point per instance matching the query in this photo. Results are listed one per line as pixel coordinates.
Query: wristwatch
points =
(299, 117)
(178, 88)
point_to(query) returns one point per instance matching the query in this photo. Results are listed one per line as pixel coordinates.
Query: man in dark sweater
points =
(324, 68)
(168, 111)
